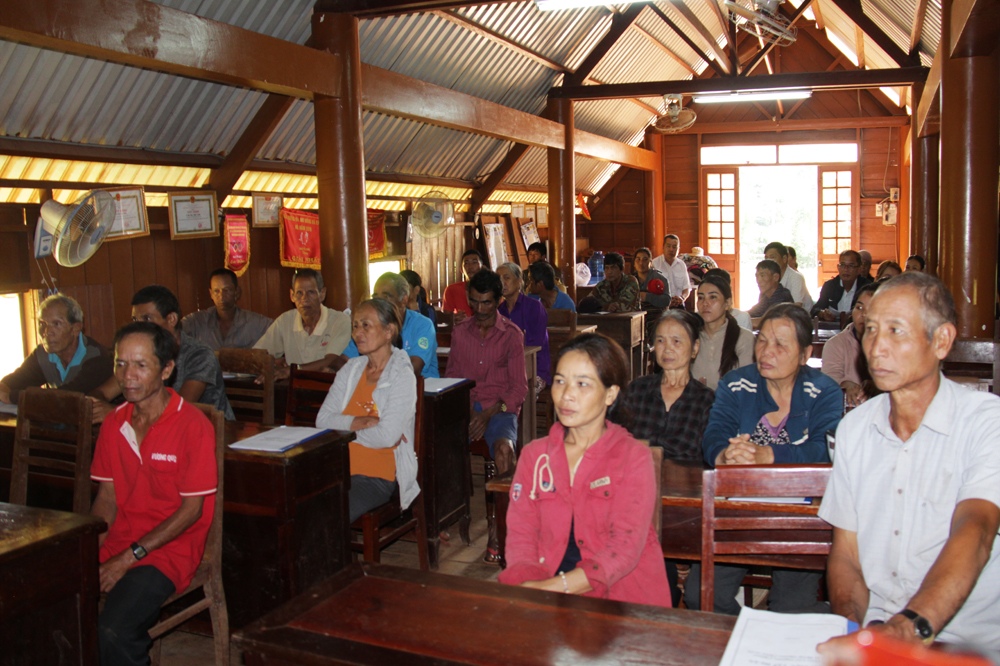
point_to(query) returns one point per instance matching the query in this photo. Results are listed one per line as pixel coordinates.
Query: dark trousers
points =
(131, 609)
(792, 590)
(367, 493)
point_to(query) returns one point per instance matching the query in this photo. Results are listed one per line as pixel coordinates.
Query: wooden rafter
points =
(796, 124)
(700, 28)
(854, 12)
(818, 13)
(619, 24)
(149, 35)
(398, 95)
(872, 78)
(832, 66)
(372, 8)
(918, 27)
(687, 40)
(601, 195)
(481, 194)
(859, 46)
(766, 49)
(658, 44)
(256, 134)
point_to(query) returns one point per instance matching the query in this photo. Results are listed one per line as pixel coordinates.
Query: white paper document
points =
(772, 500)
(763, 638)
(8, 408)
(435, 385)
(277, 440)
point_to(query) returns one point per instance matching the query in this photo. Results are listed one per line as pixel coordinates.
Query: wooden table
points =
(627, 329)
(680, 535)
(446, 463)
(286, 520)
(49, 586)
(528, 416)
(376, 614)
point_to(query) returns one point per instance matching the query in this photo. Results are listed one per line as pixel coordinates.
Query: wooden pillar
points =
(562, 197)
(970, 158)
(924, 185)
(652, 231)
(340, 167)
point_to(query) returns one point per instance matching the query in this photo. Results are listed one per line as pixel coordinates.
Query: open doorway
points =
(777, 203)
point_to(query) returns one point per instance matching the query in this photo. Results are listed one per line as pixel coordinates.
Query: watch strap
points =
(921, 625)
(138, 551)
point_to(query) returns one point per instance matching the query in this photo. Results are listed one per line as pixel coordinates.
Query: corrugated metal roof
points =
(53, 96)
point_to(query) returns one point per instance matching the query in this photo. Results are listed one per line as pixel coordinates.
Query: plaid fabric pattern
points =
(679, 431)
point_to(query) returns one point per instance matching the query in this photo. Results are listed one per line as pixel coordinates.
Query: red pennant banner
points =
(582, 203)
(237, 243)
(376, 234)
(299, 239)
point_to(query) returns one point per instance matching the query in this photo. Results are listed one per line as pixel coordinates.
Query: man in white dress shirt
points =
(791, 279)
(914, 497)
(675, 270)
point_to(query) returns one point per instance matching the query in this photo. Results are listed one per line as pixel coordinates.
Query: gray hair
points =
(936, 301)
(399, 284)
(514, 269)
(74, 313)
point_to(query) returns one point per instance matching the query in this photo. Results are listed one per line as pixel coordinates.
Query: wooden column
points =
(924, 184)
(562, 195)
(340, 167)
(652, 231)
(970, 157)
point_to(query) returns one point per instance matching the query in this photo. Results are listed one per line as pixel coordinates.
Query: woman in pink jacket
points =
(581, 513)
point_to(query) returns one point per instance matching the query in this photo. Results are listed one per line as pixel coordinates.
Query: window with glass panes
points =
(837, 212)
(720, 200)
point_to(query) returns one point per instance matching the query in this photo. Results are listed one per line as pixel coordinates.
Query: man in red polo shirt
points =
(456, 295)
(155, 461)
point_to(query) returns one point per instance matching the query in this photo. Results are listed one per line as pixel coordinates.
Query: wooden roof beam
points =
(918, 27)
(975, 27)
(481, 194)
(687, 40)
(788, 125)
(619, 24)
(796, 15)
(691, 18)
(374, 8)
(662, 47)
(928, 112)
(152, 36)
(836, 80)
(398, 95)
(854, 12)
(256, 134)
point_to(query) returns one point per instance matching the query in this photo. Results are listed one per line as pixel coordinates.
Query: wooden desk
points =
(286, 520)
(376, 614)
(627, 329)
(680, 535)
(446, 463)
(528, 417)
(49, 586)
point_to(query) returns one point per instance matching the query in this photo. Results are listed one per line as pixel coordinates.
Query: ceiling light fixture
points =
(764, 95)
(555, 5)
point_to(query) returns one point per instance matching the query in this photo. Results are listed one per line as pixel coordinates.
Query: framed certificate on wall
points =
(266, 210)
(193, 215)
(130, 213)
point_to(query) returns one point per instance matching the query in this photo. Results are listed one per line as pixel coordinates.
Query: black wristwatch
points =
(138, 551)
(921, 625)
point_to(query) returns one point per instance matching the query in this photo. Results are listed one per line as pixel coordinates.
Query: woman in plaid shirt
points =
(671, 408)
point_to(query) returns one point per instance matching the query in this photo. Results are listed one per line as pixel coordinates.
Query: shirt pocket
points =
(163, 473)
(599, 504)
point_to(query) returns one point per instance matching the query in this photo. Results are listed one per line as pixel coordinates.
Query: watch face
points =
(923, 627)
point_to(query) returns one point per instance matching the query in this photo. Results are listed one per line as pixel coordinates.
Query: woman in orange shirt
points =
(375, 395)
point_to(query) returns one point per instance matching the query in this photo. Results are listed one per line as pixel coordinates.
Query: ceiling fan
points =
(761, 19)
(676, 118)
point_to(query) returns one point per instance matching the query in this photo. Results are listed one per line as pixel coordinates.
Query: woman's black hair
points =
(612, 369)
(729, 360)
(691, 321)
(798, 316)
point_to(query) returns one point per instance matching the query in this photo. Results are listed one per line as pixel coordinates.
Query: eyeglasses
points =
(843, 265)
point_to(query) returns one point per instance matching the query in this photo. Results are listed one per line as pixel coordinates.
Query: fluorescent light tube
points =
(752, 96)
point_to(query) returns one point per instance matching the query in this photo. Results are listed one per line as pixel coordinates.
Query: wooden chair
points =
(657, 453)
(389, 522)
(306, 392)
(758, 533)
(250, 401)
(53, 432)
(975, 360)
(558, 317)
(208, 576)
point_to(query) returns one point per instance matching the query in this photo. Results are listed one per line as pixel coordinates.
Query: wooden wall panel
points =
(617, 223)
(877, 238)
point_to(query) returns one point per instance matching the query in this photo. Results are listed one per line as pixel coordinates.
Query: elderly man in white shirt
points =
(674, 269)
(791, 279)
(914, 497)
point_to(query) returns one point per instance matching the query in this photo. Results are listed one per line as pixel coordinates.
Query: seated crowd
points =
(914, 496)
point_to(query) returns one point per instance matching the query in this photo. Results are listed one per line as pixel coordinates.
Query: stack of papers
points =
(277, 440)
(763, 638)
(435, 385)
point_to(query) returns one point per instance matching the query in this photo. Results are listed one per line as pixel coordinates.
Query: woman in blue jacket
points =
(775, 411)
